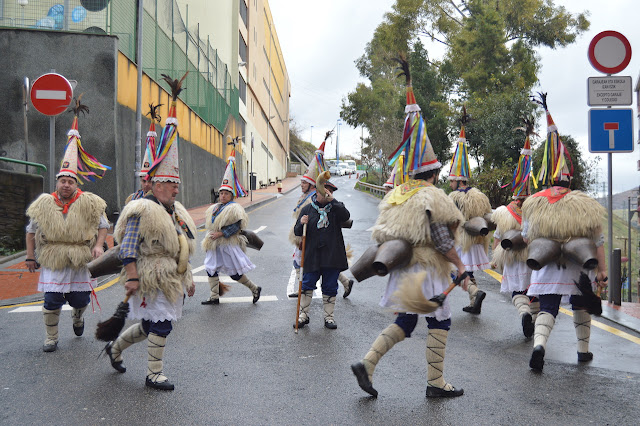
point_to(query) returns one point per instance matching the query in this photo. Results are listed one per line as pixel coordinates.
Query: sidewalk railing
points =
(376, 190)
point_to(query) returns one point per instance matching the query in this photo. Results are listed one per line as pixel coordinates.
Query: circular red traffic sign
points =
(609, 52)
(51, 94)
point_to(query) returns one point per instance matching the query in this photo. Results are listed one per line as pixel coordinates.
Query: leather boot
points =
(255, 290)
(363, 370)
(476, 297)
(436, 386)
(346, 283)
(155, 377)
(521, 302)
(214, 296)
(329, 304)
(582, 324)
(305, 306)
(51, 319)
(131, 335)
(78, 321)
(543, 327)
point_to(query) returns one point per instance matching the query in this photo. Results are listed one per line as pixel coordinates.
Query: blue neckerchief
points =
(323, 222)
(217, 211)
(305, 199)
(465, 190)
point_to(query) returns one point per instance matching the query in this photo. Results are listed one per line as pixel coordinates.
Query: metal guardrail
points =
(376, 190)
(28, 163)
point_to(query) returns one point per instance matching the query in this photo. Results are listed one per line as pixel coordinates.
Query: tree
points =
(490, 43)
(491, 133)
(380, 106)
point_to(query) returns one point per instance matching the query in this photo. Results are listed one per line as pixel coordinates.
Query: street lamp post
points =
(337, 142)
(311, 141)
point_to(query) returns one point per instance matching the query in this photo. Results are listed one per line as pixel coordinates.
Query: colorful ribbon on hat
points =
(521, 175)
(240, 191)
(414, 141)
(460, 160)
(159, 152)
(399, 177)
(86, 161)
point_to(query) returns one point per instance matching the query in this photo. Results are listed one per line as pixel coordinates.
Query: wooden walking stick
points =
(304, 240)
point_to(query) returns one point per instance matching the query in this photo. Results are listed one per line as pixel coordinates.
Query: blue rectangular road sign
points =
(611, 130)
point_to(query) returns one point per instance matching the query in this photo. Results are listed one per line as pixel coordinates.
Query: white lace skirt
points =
(65, 280)
(552, 279)
(475, 259)
(154, 309)
(515, 277)
(432, 286)
(228, 259)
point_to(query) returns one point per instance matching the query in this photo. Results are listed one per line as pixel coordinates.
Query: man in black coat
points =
(324, 253)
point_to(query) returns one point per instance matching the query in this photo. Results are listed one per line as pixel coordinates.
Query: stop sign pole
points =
(51, 94)
(610, 52)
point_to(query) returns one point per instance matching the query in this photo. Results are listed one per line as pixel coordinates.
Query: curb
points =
(12, 257)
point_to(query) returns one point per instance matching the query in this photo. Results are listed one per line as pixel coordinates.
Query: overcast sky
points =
(321, 40)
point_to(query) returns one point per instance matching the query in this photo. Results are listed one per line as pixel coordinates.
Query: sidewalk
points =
(18, 285)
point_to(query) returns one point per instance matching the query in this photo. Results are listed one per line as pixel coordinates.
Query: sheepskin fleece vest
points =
(232, 213)
(293, 239)
(574, 215)
(472, 203)
(159, 248)
(66, 242)
(411, 221)
(505, 222)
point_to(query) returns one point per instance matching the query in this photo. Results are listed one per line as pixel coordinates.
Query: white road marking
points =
(292, 286)
(205, 279)
(260, 229)
(248, 299)
(36, 308)
(370, 229)
(196, 270)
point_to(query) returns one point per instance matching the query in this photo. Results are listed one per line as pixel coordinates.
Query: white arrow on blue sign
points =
(611, 130)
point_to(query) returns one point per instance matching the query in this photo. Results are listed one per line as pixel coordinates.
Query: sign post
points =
(610, 53)
(51, 94)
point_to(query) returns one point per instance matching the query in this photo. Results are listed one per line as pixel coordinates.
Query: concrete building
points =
(237, 79)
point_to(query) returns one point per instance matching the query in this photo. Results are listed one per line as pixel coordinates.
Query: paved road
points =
(238, 363)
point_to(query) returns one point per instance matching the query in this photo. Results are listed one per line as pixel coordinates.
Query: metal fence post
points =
(615, 285)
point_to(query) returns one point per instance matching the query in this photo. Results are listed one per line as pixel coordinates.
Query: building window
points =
(243, 13)
(242, 89)
(242, 48)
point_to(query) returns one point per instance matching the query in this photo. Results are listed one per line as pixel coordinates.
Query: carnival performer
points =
(145, 184)
(224, 245)
(67, 229)
(559, 214)
(325, 255)
(472, 249)
(422, 214)
(516, 274)
(308, 188)
(156, 236)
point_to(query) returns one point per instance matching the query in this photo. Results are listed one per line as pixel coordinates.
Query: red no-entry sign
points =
(609, 52)
(51, 94)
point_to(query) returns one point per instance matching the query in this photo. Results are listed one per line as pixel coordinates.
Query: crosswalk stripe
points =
(36, 308)
(247, 299)
(205, 279)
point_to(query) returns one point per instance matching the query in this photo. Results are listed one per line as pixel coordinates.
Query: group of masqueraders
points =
(156, 236)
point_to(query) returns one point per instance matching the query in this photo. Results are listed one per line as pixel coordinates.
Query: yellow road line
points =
(600, 325)
(99, 288)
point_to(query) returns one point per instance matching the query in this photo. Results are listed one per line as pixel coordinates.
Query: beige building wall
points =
(266, 111)
(266, 107)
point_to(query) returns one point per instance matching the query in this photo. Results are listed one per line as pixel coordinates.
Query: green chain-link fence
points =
(168, 46)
